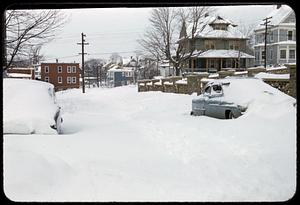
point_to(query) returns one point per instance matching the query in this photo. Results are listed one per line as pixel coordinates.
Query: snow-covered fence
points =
(195, 82)
(253, 71)
(281, 84)
(225, 73)
(292, 71)
(182, 86)
(169, 86)
(142, 85)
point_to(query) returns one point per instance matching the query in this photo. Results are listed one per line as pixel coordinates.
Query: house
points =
(61, 75)
(281, 38)
(118, 76)
(218, 45)
(165, 69)
(18, 72)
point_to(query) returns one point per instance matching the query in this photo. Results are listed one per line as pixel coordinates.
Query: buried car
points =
(213, 102)
(29, 107)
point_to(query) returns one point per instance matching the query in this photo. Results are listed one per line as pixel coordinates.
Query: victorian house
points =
(218, 45)
(281, 38)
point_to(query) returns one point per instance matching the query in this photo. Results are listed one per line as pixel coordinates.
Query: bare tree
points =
(167, 26)
(116, 58)
(26, 29)
(248, 32)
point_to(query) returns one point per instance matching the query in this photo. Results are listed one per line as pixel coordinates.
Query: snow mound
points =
(28, 106)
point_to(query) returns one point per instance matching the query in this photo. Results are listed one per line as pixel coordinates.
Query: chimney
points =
(278, 6)
(56, 60)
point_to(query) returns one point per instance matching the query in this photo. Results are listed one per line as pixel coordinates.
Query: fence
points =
(195, 82)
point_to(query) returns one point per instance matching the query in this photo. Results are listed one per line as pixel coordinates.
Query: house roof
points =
(222, 54)
(206, 30)
(278, 16)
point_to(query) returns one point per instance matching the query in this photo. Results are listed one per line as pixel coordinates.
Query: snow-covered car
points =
(213, 102)
(29, 107)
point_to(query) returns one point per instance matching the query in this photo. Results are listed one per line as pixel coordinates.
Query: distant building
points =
(281, 38)
(165, 68)
(218, 45)
(118, 76)
(61, 75)
(24, 73)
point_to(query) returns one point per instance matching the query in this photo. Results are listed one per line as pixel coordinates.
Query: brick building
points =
(62, 75)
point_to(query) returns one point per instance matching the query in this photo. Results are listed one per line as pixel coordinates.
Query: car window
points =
(217, 88)
(207, 90)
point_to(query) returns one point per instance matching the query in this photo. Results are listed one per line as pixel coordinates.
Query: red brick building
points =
(62, 75)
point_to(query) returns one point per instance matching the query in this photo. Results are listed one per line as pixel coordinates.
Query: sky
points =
(110, 30)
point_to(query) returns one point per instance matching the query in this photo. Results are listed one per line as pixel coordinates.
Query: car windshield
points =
(217, 88)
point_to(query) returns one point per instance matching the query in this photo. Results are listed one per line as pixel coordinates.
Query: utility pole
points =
(82, 64)
(266, 33)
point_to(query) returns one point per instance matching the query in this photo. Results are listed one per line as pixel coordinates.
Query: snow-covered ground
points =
(122, 145)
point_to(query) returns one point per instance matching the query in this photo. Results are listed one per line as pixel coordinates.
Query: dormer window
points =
(219, 26)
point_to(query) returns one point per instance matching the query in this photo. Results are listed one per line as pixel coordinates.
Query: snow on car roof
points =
(243, 91)
(28, 106)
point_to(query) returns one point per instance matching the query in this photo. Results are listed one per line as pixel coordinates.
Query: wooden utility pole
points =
(82, 64)
(266, 33)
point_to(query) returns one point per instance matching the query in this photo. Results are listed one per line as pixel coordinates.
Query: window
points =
(263, 54)
(292, 54)
(123, 74)
(46, 69)
(47, 79)
(290, 35)
(217, 88)
(271, 37)
(69, 69)
(69, 80)
(207, 90)
(282, 54)
(74, 80)
(73, 69)
(59, 79)
(231, 47)
(271, 54)
(59, 69)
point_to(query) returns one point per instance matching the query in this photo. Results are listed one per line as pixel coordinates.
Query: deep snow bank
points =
(121, 145)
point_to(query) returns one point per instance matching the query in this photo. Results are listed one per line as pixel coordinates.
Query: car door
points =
(213, 107)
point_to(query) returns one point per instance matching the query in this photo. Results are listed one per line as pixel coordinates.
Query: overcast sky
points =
(111, 30)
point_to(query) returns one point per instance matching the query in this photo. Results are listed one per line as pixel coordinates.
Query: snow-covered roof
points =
(222, 54)
(278, 15)
(19, 75)
(205, 29)
(21, 68)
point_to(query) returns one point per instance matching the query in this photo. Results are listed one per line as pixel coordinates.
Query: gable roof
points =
(278, 16)
(205, 29)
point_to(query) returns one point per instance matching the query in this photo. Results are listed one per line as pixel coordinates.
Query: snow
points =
(19, 75)
(123, 145)
(222, 54)
(205, 30)
(28, 106)
(168, 83)
(182, 81)
(278, 15)
(264, 75)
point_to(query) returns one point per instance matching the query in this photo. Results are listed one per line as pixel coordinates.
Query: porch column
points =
(192, 64)
(206, 64)
(221, 64)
